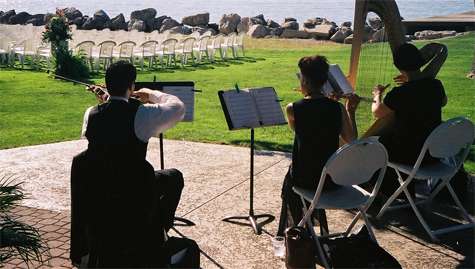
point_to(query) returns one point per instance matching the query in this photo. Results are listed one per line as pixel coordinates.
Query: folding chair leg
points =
(419, 216)
(352, 224)
(402, 187)
(459, 204)
(368, 226)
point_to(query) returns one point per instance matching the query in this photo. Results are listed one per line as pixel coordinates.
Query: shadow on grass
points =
(263, 145)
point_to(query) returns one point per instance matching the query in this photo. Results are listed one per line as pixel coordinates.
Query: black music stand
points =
(159, 86)
(251, 217)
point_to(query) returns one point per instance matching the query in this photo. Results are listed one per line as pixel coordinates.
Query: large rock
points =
(168, 24)
(214, 26)
(429, 34)
(6, 16)
(196, 20)
(99, 21)
(49, 16)
(323, 31)
(289, 19)
(37, 20)
(158, 22)
(339, 36)
(137, 25)
(259, 19)
(79, 21)
(258, 31)
(380, 36)
(349, 39)
(180, 29)
(289, 33)
(346, 24)
(276, 31)
(272, 24)
(376, 23)
(201, 30)
(20, 18)
(291, 25)
(147, 15)
(243, 26)
(228, 23)
(72, 13)
(118, 23)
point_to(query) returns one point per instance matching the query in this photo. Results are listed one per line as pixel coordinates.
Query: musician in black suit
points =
(121, 207)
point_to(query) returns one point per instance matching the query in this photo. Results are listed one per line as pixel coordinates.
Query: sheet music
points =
(339, 80)
(268, 106)
(187, 95)
(241, 109)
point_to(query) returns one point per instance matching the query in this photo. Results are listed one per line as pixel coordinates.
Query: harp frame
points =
(388, 11)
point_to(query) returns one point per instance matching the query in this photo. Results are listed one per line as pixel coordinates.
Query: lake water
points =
(336, 10)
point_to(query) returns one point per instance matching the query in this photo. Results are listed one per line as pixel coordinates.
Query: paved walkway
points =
(216, 186)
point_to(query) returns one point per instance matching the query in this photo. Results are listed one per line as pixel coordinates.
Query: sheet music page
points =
(187, 95)
(338, 80)
(268, 106)
(241, 109)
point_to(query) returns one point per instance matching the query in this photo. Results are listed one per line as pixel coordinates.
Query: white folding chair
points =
(23, 50)
(125, 51)
(106, 49)
(227, 45)
(43, 51)
(450, 142)
(215, 46)
(239, 44)
(6, 47)
(201, 48)
(168, 50)
(186, 50)
(349, 166)
(146, 51)
(84, 49)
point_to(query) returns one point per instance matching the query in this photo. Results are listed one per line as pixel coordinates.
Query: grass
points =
(36, 109)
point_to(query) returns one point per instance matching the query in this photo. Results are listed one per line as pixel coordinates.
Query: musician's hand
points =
(352, 103)
(100, 94)
(143, 95)
(336, 95)
(401, 79)
(379, 90)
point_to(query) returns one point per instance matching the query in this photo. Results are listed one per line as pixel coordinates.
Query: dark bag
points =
(357, 251)
(300, 248)
(183, 253)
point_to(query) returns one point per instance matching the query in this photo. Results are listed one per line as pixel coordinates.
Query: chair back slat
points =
(106, 48)
(188, 44)
(357, 162)
(450, 137)
(203, 44)
(85, 48)
(126, 49)
(168, 46)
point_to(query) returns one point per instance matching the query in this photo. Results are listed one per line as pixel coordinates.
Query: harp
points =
(393, 33)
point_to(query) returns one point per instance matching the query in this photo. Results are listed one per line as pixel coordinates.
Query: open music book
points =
(185, 91)
(337, 82)
(251, 108)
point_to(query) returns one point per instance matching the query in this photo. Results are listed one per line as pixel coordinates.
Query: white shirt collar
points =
(120, 98)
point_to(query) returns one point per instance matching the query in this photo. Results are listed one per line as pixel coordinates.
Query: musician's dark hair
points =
(119, 77)
(408, 58)
(314, 71)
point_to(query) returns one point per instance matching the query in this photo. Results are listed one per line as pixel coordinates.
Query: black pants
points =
(291, 203)
(170, 184)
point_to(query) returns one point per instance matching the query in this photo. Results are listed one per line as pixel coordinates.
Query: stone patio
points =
(216, 186)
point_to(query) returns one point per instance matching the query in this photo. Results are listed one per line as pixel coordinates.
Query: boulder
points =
(243, 26)
(146, 15)
(6, 16)
(201, 30)
(36, 20)
(99, 21)
(376, 23)
(289, 19)
(323, 31)
(158, 22)
(228, 23)
(180, 29)
(339, 36)
(429, 34)
(196, 20)
(346, 24)
(380, 36)
(20, 18)
(310, 24)
(276, 31)
(214, 26)
(137, 25)
(118, 23)
(79, 21)
(72, 13)
(259, 19)
(168, 24)
(448, 33)
(258, 31)
(289, 33)
(291, 25)
(49, 16)
(272, 24)
(349, 39)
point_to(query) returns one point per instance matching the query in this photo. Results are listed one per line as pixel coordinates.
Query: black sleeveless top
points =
(317, 129)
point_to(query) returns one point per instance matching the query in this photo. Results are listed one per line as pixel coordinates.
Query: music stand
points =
(273, 117)
(162, 86)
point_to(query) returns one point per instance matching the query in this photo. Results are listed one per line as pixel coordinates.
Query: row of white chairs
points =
(10, 51)
(167, 51)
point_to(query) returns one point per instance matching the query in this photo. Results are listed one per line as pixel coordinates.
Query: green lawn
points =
(35, 109)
